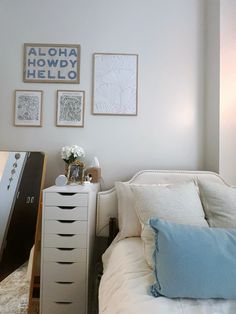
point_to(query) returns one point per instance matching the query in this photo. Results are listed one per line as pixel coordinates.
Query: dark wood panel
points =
(21, 232)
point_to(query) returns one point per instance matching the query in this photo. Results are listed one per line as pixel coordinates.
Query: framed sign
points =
(51, 63)
(28, 108)
(70, 108)
(115, 84)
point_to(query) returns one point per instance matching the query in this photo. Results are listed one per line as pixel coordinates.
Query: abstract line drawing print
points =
(115, 84)
(70, 108)
(28, 108)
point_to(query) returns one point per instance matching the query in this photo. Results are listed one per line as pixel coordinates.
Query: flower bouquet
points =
(74, 166)
(70, 153)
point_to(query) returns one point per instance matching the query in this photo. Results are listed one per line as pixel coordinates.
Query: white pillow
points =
(219, 203)
(128, 222)
(179, 203)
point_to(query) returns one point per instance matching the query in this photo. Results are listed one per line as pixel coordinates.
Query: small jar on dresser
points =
(68, 232)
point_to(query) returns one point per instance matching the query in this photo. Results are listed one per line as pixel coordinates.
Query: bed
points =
(127, 276)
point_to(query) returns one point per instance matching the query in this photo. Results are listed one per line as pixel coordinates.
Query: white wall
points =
(228, 90)
(168, 35)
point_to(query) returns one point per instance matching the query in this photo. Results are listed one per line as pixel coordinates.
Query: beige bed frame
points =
(107, 200)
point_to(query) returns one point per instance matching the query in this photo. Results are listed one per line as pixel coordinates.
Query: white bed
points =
(126, 280)
(124, 286)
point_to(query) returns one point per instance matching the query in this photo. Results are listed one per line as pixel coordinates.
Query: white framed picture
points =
(28, 108)
(115, 84)
(70, 108)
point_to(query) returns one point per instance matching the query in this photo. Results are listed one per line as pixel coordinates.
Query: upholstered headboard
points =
(107, 200)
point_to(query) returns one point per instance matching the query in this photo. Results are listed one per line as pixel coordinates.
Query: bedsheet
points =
(126, 280)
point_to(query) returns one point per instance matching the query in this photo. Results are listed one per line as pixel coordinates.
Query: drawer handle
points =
(65, 248)
(57, 302)
(65, 263)
(66, 207)
(66, 235)
(66, 194)
(64, 282)
(66, 221)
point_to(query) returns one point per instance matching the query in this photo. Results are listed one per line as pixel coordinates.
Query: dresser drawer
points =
(66, 212)
(73, 272)
(65, 240)
(65, 226)
(50, 307)
(68, 291)
(64, 255)
(65, 199)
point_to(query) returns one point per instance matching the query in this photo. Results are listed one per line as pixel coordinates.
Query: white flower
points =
(71, 153)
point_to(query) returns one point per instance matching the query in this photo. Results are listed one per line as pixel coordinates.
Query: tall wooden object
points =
(34, 290)
(19, 193)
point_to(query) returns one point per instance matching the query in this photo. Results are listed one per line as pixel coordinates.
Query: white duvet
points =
(126, 280)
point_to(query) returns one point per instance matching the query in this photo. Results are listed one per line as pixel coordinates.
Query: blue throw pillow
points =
(194, 262)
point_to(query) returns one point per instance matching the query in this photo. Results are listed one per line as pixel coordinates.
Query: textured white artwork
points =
(115, 84)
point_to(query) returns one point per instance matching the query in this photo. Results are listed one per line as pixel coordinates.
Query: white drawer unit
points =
(68, 232)
(65, 199)
(66, 212)
(65, 227)
(66, 240)
(65, 254)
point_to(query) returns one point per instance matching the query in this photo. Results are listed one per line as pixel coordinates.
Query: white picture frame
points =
(70, 108)
(28, 108)
(115, 84)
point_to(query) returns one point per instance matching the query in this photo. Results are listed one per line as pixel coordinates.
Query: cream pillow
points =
(219, 203)
(129, 225)
(128, 221)
(179, 203)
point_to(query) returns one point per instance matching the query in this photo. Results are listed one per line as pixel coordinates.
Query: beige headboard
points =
(107, 200)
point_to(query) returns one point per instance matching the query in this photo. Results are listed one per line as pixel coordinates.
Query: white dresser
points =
(68, 231)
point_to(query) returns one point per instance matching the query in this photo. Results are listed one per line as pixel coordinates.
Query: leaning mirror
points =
(20, 185)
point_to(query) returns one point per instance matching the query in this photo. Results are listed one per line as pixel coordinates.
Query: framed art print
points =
(115, 84)
(28, 108)
(51, 63)
(70, 108)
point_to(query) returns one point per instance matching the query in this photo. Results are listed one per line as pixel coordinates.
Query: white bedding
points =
(125, 282)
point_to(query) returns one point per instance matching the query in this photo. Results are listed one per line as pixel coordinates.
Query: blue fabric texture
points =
(194, 262)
